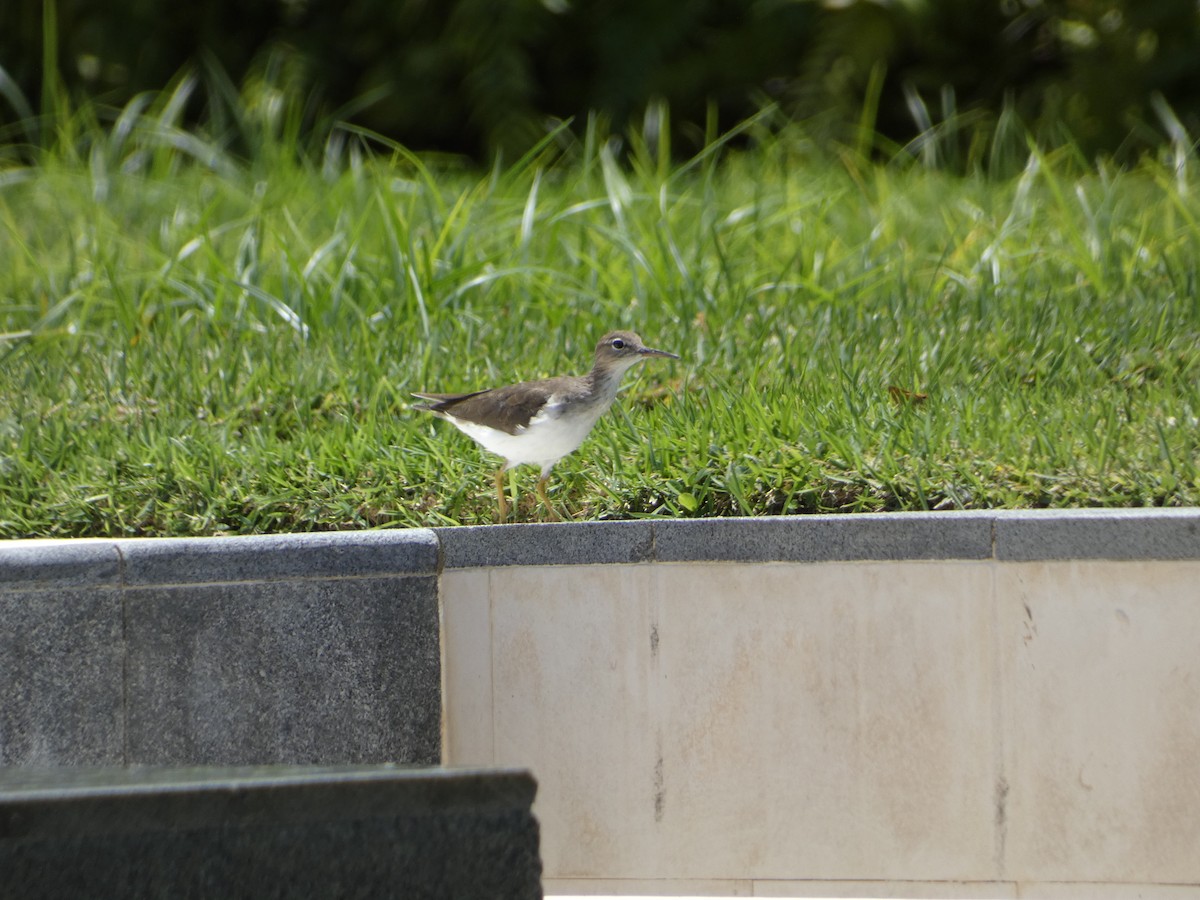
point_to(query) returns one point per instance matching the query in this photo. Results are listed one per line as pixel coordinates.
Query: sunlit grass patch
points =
(192, 343)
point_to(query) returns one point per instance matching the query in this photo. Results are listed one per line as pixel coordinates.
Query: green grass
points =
(199, 344)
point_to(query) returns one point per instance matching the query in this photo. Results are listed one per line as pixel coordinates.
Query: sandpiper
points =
(540, 422)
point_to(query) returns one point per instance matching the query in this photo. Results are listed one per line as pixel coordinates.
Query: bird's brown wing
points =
(507, 409)
(435, 400)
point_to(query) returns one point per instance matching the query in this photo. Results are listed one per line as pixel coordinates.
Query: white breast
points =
(546, 440)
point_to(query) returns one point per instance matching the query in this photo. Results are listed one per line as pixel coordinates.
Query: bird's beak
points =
(650, 351)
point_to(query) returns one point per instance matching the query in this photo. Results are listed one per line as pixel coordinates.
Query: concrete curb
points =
(1016, 535)
(96, 562)
(1020, 535)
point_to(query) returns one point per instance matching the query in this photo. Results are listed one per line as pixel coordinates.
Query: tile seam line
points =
(439, 545)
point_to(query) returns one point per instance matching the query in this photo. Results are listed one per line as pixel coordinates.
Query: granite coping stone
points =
(1006, 535)
(58, 564)
(138, 562)
(1115, 534)
(814, 538)
(154, 561)
(826, 538)
(1016, 535)
(571, 543)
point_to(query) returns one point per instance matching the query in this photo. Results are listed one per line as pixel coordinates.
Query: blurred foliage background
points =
(1113, 77)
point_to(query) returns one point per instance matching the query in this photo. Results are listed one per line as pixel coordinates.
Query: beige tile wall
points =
(974, 727)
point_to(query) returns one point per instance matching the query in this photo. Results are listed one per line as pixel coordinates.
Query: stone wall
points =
(973, 704)
(964, 705)
(228, 651)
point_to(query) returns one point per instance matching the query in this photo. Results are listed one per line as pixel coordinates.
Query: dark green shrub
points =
(478, 76)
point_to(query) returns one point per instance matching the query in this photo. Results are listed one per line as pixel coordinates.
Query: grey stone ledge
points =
(155, 561)
(1009, 535)
(569, 543)
(30, 565)
(1116, 534)
(826, 538)
(1016, 535)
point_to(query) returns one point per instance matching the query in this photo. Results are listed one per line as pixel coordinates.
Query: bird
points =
(540, 422)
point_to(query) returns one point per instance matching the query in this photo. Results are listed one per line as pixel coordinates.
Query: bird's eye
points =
(618, 344)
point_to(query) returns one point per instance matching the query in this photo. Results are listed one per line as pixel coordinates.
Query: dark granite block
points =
(1119, 534)
(273, 557)
(369, 833)
(567, 543)
(887, 536)
(58, 564)
(61, 655)
(339, 671)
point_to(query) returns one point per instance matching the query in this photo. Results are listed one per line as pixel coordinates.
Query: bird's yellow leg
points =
(500, 494)
(541, 490)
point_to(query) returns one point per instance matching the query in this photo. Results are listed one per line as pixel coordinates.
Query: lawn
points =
(203, 341)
